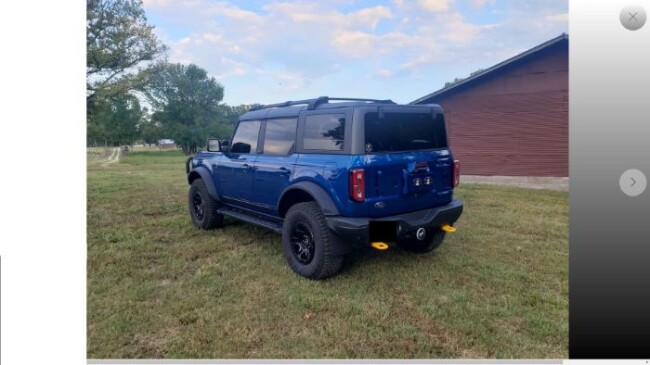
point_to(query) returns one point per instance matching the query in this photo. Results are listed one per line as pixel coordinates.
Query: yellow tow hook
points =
(379, 245)
(447, 228)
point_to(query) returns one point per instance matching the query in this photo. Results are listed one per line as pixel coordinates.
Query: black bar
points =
(313, 103)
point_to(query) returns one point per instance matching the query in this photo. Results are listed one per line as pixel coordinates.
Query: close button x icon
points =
(633, 16)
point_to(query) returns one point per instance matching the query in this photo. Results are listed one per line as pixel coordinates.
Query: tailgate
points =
(404, 182)
(408, 165)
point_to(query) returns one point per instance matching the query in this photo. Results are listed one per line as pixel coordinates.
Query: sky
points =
(271, 51)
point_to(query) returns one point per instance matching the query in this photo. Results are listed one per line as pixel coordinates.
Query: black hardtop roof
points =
(293, 108)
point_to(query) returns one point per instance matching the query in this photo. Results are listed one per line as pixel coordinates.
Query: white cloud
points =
(231, 68)
(385, 73)
(372, 16)
(481, 3)
(312, 13)
(174, 4)
(290, 8)
(456, 29)
(558, 18)
(435, 5)
(354, 43)
(285, 47)
(452, 27)
(232, 12)
(284, 80)
(213, 37)
(185, 40)
(361, 44)
(418, 61)
(157, 3)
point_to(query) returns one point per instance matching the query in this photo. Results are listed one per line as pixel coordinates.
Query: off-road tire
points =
(205, 216)
(433, 239)
(307, 220)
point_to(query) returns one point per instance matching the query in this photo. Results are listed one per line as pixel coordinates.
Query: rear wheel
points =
(203, 207)
(307, 242)
(431, 241)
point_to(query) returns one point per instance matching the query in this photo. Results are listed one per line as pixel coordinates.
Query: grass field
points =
(160, 288)
(94, 154)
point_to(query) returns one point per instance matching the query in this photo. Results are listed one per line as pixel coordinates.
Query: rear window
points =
(404, 132)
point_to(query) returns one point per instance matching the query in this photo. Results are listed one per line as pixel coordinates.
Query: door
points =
(235, 173)
(275, 164)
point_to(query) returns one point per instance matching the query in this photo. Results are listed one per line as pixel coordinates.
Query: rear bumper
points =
(353, 233)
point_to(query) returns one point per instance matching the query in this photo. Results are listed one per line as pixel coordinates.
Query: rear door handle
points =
(284, 171)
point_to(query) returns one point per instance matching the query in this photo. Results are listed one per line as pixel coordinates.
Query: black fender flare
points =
(203, 173)
(319, 194)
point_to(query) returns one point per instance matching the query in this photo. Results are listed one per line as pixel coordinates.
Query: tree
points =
(187, 104)
(231, 114)
(118, 39)
(459, 79)
(150, 132)
(116, 121)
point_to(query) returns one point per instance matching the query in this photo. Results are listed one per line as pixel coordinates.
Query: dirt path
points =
(113, 158)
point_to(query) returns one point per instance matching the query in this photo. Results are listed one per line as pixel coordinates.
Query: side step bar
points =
(277, 228)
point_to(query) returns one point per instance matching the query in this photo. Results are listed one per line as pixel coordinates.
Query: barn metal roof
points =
(562, 38)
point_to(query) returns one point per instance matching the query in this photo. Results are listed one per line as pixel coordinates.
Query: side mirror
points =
(214, 145)
(225, 146)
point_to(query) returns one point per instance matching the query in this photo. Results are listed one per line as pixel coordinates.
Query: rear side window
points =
(324, 132)
(280, 136)
(404, 132)
(245, 138)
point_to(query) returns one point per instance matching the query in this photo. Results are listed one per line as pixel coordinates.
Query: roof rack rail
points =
(385, 101)
(313, 103)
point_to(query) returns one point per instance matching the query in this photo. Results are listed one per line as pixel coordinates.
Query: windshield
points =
(404, 132)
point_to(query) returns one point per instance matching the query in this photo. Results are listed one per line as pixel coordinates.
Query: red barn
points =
(512, 119)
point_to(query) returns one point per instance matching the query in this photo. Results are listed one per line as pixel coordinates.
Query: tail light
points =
(357, 185)
(456, 174)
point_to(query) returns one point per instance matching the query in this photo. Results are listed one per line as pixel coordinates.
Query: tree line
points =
(459, 79)
(134, 94)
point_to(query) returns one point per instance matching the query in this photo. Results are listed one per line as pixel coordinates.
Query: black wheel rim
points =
(302, 243)
(198, 206)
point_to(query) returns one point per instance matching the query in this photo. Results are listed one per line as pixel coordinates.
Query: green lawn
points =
(160, 288)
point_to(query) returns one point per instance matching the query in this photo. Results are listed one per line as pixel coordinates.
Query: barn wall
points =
(515, 122)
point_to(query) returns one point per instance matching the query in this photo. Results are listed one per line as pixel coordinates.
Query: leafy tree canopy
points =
(116, 121)
(118, 39)
(187, 103)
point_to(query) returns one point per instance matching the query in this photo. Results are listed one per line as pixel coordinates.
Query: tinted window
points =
(280, 136)
(404, 132)
(245, 139)
(324, 132)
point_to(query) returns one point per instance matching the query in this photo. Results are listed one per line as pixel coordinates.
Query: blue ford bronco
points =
(332, 177)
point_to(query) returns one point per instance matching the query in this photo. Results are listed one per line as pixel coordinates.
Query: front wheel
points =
(307, 242)
(433, 239)
(203, 207)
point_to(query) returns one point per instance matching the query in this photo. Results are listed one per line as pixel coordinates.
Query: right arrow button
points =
(633, 182)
